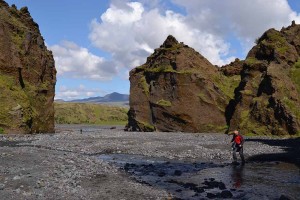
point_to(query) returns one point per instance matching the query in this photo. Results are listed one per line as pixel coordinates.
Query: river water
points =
(200, 180)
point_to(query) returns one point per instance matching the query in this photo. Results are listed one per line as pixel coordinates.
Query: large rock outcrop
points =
(27, 74)
(267, 98)
(177, 89)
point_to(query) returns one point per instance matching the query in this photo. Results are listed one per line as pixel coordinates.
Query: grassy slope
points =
(87, 113)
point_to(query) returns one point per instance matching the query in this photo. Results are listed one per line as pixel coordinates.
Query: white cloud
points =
(79, 92)
(77, 62)
(245, 19)
(131, 12)
(131, 33)
(130, 30)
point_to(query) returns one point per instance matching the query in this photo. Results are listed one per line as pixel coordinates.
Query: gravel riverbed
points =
(95, 164)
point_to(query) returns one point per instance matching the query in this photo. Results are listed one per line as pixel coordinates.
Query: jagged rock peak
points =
(170, 41)
(3, 3)
(267, 98)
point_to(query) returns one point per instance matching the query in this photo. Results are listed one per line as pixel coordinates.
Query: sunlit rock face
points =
(267, 98)
(177, 89)
(27, 74)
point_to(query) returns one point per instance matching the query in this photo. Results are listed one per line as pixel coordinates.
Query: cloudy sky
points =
(97, 42)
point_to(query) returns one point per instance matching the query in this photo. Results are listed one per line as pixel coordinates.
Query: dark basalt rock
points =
(267, 99)
(27, 74)
(177, 89)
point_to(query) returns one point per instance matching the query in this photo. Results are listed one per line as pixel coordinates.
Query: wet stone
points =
(226, 194)
(284, 197)
(161, 174)
(177, 173)
(222, 186)
(214, 184)
(211, 195)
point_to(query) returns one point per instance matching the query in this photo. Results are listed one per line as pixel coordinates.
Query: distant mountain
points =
(59, 100)
(109, 98)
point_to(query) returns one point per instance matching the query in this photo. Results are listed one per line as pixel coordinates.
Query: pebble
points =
(72, 158)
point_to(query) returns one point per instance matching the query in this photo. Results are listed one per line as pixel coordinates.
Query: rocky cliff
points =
(267, 98)
(27, 74)
(177, 89)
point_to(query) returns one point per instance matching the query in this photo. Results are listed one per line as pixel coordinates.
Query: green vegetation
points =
(247, 92)
(251, 127)
(214, 128)
(297, 64)
(204, 98)
(295, 74)
(244, 116)
(145, 126)
(282, 49)
(276, 41)
(255, 128)
(251, 61)
(227, 84)
(256, 81)
(18, 39)
(13, 95)
(161, 68)
(276, 36)
(86, 113)
(143, 84)
(293, 107)
(1, 130)
(163, 102)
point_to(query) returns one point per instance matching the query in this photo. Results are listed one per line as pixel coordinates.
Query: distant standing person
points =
(237, 146)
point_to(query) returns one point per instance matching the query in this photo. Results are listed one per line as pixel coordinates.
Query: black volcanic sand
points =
(108, 163)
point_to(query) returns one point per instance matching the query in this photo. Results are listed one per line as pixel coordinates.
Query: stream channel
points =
(200, 180)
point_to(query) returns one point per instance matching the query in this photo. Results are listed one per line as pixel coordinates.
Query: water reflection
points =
(189, 180)
(237, 176)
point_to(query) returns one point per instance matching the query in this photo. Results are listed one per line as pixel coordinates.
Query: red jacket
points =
(238, 139)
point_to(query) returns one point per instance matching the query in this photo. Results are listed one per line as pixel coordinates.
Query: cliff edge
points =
(27, 74)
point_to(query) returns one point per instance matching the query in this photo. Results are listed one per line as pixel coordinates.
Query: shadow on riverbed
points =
(290, 146)
(199, 180)
(179, 178)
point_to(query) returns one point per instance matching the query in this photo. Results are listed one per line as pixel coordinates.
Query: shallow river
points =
(186, 180)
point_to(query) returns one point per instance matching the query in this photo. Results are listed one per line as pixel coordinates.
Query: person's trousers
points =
(240, 150)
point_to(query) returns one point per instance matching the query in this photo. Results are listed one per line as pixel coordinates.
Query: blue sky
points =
(97, 42)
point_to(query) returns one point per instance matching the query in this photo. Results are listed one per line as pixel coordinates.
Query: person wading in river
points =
(237, 146)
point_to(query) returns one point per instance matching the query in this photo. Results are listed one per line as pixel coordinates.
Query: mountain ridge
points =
(112, 97)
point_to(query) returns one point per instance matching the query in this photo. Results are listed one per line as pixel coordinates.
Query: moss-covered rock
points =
(27, 74)
(267, 98)
(177, 89)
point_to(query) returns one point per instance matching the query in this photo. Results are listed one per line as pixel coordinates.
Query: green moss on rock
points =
(295, 75)
(165, 103)
(144, 85)
(146, 126)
